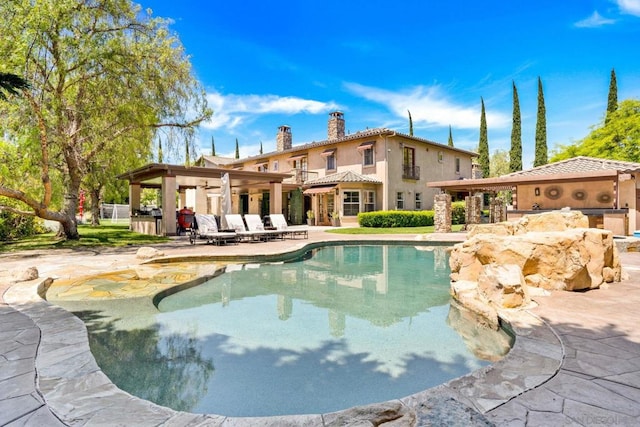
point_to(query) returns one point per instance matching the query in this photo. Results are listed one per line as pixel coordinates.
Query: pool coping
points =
(78, 392)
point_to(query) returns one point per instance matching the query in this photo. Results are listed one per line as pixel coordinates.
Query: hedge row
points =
(14, 226)
(390, 219)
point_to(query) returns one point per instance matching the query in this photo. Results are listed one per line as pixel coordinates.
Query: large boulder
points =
(570, 260)
(553, 250)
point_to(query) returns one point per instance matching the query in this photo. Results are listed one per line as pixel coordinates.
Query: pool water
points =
(343, 326)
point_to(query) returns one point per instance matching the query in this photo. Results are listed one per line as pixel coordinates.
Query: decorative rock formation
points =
(30, 273)
(551, 250)
(146, 252)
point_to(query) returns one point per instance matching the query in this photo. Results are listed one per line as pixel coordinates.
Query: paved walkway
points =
(597, 383)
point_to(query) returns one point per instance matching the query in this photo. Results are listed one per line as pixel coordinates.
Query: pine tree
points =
(515, 155)
(612, 102)
(410, 124)
(483, 145)
(541, 130)
(213, 147)
(450, 137)
(237, 149)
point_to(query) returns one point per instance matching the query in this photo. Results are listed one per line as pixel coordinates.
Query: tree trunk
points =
(69, 229)
(69, 223)
(95, 207)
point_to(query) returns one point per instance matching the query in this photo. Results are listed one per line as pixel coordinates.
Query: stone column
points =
(472, 209)
(442, 213)
(496, 210)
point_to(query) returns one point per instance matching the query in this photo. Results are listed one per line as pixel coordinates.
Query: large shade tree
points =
(617, 137)
(105, 78)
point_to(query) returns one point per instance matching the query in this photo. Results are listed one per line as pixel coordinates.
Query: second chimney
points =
(336, 125)
(284, 139)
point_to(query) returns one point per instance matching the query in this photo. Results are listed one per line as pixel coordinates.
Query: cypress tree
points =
(159, 150)
(541, 130)
(515, 155)
(237, 149)
(410, 124)
(612, 101)
(261, 147)
(450, 137)
(483, 145)
(213, 147)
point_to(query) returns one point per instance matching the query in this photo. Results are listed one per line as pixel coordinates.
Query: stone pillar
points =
(442, 213)
(472, 209)
(496, 210)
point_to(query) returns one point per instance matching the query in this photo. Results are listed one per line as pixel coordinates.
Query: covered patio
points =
(173, 180)
(604, 190)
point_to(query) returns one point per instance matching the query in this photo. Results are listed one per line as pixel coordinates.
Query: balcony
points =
(299, 176)
(411, 172)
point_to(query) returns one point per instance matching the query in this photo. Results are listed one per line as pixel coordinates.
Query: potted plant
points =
(310, 217)
(335, 218)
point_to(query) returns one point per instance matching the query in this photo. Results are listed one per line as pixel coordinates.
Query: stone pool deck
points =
(576, 360)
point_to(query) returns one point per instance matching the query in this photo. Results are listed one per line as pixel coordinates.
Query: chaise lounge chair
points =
(206, 227)
(280, 223)
(254, 223)
(235, 222)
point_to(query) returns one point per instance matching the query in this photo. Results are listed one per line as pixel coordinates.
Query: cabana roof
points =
(575, 169)
(150, 176)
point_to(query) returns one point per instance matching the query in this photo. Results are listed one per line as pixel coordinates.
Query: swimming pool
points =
(342, 326)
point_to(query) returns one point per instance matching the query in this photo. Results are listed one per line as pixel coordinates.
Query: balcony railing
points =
(299, 176)
(411, 172)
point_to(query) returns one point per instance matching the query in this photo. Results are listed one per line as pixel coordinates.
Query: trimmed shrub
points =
(457, 213)
(390, 219)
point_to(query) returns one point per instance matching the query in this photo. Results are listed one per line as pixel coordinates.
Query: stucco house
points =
(373, 169)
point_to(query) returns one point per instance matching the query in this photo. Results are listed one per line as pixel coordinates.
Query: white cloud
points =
(629, 7)
(231, 110)
(429, 106)
(595, 20)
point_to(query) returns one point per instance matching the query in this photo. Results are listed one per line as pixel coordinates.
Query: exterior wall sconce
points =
(536, 191)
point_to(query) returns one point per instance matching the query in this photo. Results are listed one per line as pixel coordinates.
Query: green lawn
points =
(398, 230)
(118, 235)
(107, 235)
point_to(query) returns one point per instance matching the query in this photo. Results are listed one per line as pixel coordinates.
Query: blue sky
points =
(271, 63)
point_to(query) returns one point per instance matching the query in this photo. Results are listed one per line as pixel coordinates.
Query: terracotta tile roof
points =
(578, 165)
(340, 177)
(367, 133)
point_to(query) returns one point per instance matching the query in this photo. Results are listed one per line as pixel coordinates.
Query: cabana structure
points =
(606, 191)
(173, 180)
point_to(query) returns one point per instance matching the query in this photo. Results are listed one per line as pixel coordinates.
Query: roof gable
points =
(342, 177)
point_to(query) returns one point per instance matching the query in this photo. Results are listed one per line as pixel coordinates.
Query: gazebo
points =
(606, 191)
(174, 180)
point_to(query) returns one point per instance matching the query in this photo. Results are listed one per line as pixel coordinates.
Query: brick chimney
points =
(335, 128)
(284, 139)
